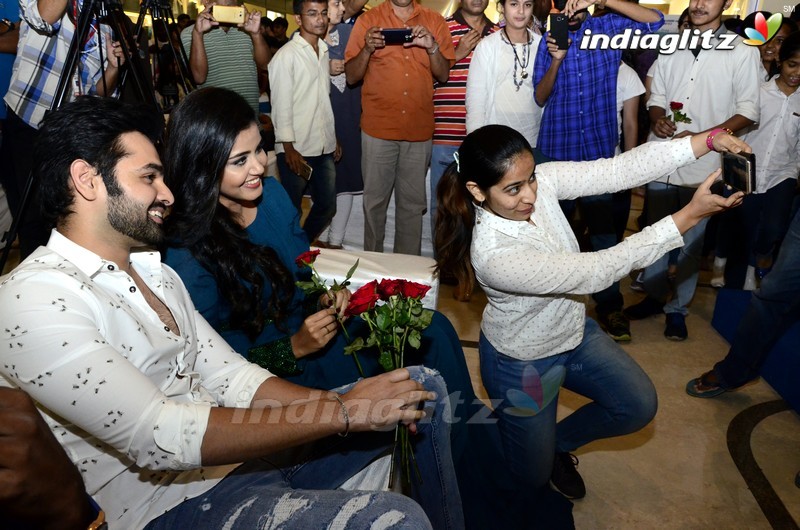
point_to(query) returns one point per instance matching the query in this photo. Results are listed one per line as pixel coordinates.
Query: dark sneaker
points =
(646, 308)
(676, 327)
(565, 477)
(616, 325)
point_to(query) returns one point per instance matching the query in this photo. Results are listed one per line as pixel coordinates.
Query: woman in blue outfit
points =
(234, 236)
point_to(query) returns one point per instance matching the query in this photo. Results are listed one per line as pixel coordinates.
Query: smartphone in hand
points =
(396, 35)
(739, 171)
(559, 30)
(228, 14)
(305, 172)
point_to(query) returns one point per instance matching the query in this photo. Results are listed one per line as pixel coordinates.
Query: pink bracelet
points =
(713, 134)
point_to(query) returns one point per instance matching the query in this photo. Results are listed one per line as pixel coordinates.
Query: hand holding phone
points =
(739, 171)
(397, 35)
(228, 14)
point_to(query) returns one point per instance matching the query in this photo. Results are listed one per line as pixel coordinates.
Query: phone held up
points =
(739, 171)
(559, 30)
(396, 35)
(228, 14)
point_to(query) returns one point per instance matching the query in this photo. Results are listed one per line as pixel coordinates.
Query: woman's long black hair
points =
(200, 136)
(483, 158)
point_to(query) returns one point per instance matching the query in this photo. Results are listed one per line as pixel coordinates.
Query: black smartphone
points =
(739, 171)
(559, 30)
(396, 35)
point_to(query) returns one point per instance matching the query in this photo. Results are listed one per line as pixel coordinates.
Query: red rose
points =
(675, 105)
(415, 290)
(306, 258)
(363, 299)
(389, 288)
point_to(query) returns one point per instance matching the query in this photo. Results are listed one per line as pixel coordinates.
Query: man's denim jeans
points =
(298, 486)
(623, 400)
(321, 186)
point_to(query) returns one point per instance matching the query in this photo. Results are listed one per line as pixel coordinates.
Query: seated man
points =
(154, 408)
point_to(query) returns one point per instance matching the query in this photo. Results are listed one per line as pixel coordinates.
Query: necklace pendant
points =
(524, 74)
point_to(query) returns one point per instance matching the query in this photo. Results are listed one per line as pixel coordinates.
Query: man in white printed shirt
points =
(150, 403)
(719, 89)
(303, 117)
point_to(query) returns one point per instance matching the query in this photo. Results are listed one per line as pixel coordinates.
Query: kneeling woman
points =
(234, 236)
(499, 211)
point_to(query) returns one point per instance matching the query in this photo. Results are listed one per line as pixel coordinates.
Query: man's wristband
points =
(713, 133)
(433, 49)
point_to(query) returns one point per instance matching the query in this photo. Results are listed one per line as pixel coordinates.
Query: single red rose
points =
(363, 299)
(415, 290)
(389, 288)
(306, 258)
(675, 105)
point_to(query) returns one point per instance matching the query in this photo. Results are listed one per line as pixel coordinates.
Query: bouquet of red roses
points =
(677, 115)
(393, 311)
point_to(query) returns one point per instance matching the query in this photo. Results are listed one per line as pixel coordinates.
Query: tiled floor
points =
(678, 471)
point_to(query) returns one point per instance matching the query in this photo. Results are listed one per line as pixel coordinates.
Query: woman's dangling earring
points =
(480, 205)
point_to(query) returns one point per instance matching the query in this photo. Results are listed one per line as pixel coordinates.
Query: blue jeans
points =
(774, 307)
(441, 157)
(663, 200)
(301, 482)
(623, 401)
(321, 187)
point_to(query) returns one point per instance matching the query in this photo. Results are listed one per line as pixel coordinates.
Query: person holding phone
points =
(577, 89)
(397, 114)
(305, 137)
(225, 55)
(499, 86)
(499, 211)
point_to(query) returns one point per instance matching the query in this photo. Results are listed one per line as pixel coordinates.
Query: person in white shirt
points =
(153, 407)
(718, 90)
(766, 213)
(499, 87)
(305, 139)
(503, 217)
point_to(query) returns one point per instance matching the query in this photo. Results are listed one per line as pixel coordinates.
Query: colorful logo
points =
(763, 29)
(537, 392)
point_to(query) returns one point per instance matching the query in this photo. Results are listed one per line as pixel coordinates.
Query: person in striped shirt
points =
(468, 25)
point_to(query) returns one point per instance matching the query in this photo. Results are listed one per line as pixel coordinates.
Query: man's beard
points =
(126, 217)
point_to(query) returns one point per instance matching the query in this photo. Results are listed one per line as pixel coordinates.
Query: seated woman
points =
(496, 211)
(234, 237)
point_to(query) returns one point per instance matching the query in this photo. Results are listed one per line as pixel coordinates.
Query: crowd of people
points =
(161, 367)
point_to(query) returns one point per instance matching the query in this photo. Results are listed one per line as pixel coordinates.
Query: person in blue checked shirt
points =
(577, 89)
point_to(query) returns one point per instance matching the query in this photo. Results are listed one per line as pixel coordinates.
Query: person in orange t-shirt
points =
(397, 114)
